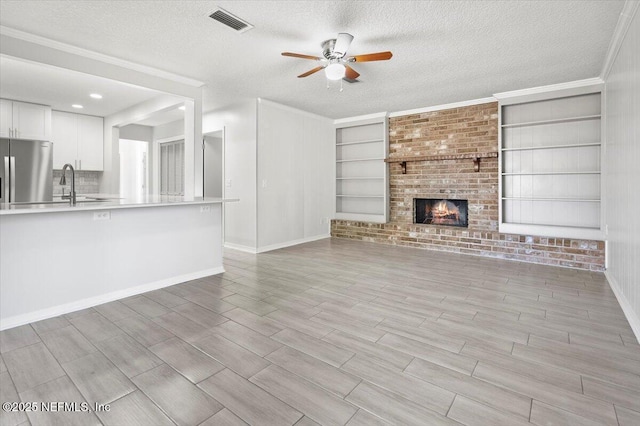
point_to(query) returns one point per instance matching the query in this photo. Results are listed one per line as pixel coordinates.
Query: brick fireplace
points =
(455, 135)
(445, 212)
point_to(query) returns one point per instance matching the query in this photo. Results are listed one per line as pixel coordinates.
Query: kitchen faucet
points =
(63, 181)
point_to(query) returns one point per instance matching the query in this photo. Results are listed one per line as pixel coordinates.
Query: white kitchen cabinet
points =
(90, 142)
(65, 138)
(22, 120)
(6, 118)
(77, 140)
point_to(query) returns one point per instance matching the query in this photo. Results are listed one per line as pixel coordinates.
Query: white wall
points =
(137, 132)
(168, 130)
(622, 198)
(239, 123)
(295, 160)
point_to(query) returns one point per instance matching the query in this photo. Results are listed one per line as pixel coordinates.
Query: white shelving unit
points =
(361, 173)
(550, 165)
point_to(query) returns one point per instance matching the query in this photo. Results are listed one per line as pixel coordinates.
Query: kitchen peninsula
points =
(57, 258)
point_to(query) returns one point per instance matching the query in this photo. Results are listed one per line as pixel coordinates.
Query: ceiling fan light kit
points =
(335, 71)
(335, 61)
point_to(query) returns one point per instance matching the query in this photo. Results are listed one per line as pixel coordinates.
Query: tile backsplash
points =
(86, 182)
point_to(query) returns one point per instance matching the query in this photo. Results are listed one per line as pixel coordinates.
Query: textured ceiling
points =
(444, 51)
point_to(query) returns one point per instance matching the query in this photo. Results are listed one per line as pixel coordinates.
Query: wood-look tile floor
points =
(339, 332)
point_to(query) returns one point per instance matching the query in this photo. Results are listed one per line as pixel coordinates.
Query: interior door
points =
(213, 166)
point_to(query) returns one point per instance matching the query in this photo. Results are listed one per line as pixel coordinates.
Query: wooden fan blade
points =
(350, 73)
(316, 69)
(380, 56)
(301, 56)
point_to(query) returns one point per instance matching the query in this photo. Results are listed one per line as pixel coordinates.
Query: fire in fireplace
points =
(434, 211)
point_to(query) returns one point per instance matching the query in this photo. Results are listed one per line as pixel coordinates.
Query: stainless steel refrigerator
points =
(26, 170)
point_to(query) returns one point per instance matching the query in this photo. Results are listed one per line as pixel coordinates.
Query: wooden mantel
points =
(476, 156)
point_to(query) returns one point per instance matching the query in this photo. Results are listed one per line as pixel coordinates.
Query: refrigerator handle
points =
(5, 190)
(12, 195)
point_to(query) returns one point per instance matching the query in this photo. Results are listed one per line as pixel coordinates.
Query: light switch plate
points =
(102, 215)
(228, 183)
(205, 209)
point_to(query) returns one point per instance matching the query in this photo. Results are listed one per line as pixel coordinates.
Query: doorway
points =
(134, 169)
(172, 168)
(213, 164)
(213, 168)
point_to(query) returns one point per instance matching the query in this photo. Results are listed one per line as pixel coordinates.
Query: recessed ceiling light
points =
(77, 106)
(181, 108)
(96, 96)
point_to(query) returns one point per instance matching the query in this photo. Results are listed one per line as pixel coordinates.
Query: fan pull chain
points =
(329, 84)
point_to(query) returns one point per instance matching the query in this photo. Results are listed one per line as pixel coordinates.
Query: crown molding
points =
(89, 54)
(624, 21)
(268, 102)
(366, 117)
(442, 107)
(570, 88)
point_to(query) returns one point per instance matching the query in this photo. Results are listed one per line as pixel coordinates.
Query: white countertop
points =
(87, 202)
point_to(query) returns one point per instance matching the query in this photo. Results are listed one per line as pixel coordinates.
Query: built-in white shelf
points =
(360, 142)
(552, 189)
(550, 173)
(533, 148)
(575, 200)
(361, 173)
(554, 121)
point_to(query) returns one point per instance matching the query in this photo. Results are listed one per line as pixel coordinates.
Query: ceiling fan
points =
(335, 61)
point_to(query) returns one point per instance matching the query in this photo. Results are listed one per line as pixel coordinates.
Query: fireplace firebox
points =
(434, 211)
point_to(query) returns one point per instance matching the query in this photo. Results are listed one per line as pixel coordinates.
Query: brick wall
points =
(465, 130)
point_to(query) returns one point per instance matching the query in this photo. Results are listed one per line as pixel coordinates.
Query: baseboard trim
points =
(292, 243)
(239, 247)
(632, 317)
(66, 308)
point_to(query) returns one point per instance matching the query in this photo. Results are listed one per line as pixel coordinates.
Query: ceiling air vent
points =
(230, 20)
